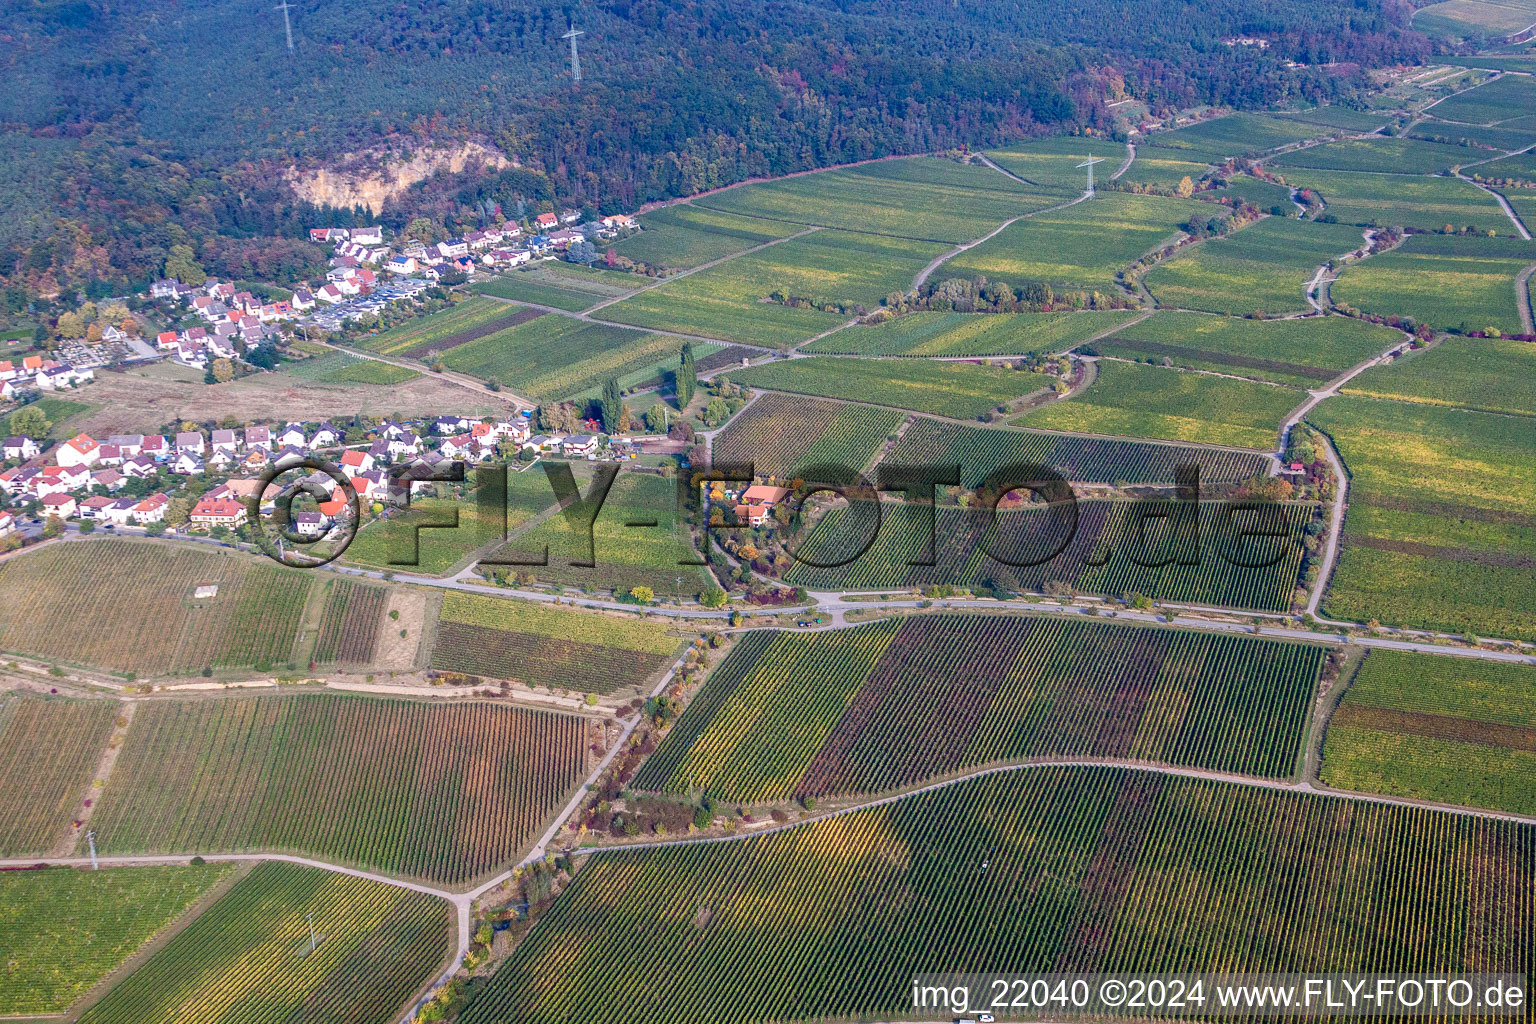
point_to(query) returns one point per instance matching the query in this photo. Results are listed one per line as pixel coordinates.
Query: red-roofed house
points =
(61, 505)
(79, 450)
(218, 512)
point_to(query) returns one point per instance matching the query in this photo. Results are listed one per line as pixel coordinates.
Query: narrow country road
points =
(702, 266)
(460, 380)
(922, 275)
(1523, 297)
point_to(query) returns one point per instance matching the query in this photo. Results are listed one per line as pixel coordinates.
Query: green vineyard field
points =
(779, 434)
(247, 959)
(49, 750)
(873, 709)
(442, 792)
(1027, 870)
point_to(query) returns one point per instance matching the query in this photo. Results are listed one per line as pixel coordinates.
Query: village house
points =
(186, 464)
(61, 505)
(547, 221)
(579, 444)
(119, 511)
(292, 436)
(108, 480)
(151, 509)
(95, 507)
(79, 450)
(109, 455)
(129, 444)
(763, 494)
(226, 441)
(210, 511)
(354, 462)
(190, 441)
(20, 448)
(258, 437)
(140, 467)
(7, 524)
(752, 515)
(309, 524)
(325, 436)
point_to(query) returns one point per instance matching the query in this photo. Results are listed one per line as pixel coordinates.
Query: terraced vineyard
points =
(1137, 400)
(350, 623)
(1043, 869)
(134, 603)
(103, 917)
(981, 451)
(443, 329)
(895, 703)
(961, 390)
(780, 434)
(543, 646)
(1452, 730)
(247, 959)
(449, 793)
(971, 334)
(1250, 560)
(49, 750)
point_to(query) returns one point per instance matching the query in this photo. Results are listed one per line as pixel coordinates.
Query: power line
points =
(287, 25)
(575, 61)
(1089, 164)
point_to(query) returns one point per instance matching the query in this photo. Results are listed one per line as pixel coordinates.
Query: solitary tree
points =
(687, 376)
(613, 406)
(29, 421)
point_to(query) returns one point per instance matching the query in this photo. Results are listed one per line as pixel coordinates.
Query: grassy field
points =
(439, 328)
(1053, 163)
(1301, 352)
(247, 959)
(544, 646)
(58, 410)
(1067, 869)
(465, 786)
(1456, 283)
(869, 710)
(1249, 560)
(101, 917)
(1439, 533)
(1451, 730)
(1501, 100)
(1082, 246)
(971, 334)
(137, 597)
(1164, 167)
(553, 357)
(1263, 267)
(685, 236)
(729, 301)
(341, 368)
(922, 197)
(1402, 200)
(1488, 374)
(1398, 156)
(782, 434)
(625, 556)
(1137, 400)
(959, 389)
(1233, 135)
(39, 795)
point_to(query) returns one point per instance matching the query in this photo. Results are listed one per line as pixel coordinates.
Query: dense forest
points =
(132, 127)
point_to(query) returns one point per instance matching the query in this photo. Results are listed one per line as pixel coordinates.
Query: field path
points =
(461, 380)
(1509, 211)
(1130, 158)
(1523, 297)
(922, 275)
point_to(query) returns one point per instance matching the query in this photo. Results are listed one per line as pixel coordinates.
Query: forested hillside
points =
(186, 113)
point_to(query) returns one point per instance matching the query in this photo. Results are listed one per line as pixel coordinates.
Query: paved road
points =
(1523, 296)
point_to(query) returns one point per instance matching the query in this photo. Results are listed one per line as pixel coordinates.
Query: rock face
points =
(372, 177)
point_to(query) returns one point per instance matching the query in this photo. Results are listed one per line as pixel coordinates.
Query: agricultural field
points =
(684, 236)
(1265, 195)
(1052, 164)
(980, 451)
(444, 792)
(1263, 267)
(101, 917)
(562, 285)
(1448, 282)
(1475, 19)
(1345, 118)
(1164, 168)
(1234, 135)
(958, 389)
(971, 334)
(554, 357)
(58, 410)
(732, 301)
(1524, 203)
(782, 434)
(1503, 99)
(1475, 136)
(136, 613)
(1401, 200)
(544, 646)
(341, 368)
(652, 553)
(427, 539)
(1520, 168)
(1082, 246)
(1303, 353)
(1244, 557)
(927, 198)
(247, 959)
(39, 795)
(1042, 869)
(1439, 532)
(1487, 374)
(1450, 730)
(1395, 156)
(442, 328)
(899, 702)
(350, 623)
(1137, 400)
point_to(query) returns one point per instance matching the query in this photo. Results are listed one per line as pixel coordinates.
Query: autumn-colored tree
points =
(223, 371)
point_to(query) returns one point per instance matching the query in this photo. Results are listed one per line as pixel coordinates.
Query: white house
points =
(226, 441)
(20, 447)
(292, 436)
(190, 441)
(79, 450)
